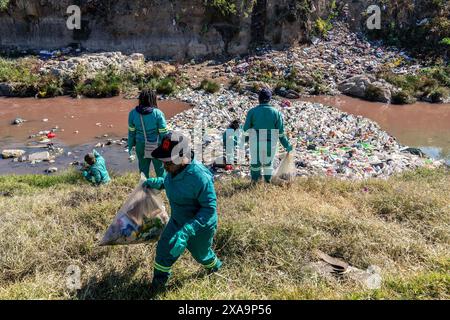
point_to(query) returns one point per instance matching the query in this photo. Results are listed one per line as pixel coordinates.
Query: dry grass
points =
(266, 238)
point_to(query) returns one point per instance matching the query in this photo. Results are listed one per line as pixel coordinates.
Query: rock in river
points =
(7, 154)
(367, 87)
(39, 156)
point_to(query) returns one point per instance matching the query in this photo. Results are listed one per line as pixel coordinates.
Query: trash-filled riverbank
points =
(328, 142)
(342, 62)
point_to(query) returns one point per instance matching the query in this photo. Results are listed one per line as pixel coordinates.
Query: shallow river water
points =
(82, 123)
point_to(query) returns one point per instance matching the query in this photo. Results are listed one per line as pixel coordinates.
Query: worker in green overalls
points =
(146, 125)
(190, 189)
(95, 171)
(265, 126)
(231, 139)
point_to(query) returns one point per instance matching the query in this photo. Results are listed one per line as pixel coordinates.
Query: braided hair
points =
(148, 98)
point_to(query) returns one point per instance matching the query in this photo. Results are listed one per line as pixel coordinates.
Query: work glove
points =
(180, 239)
(151, 183)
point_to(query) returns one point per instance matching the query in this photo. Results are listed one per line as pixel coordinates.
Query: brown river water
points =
(85, 122)
(82, 123)
(79, 120)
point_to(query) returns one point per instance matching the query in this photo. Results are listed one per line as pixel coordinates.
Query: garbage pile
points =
(327, 62)
(328, 142)
(94, 63)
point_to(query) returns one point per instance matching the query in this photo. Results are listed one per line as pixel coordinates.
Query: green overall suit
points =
(263, 146)
(193, 203)
(97, 174)
(155, 127)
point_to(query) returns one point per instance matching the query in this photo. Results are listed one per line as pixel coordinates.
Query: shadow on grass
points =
(125, 286)
(116, 286)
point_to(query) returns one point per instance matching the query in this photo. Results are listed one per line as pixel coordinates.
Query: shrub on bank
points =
(4, 5)
(439, 95)
(209, 86)
(166, 86)
(430, 84)
(374, 93)
(403, 97)
(22, 74)
(105, 84)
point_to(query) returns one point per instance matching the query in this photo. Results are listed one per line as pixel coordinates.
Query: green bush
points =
(288, 85)
(322, 27)
(20, 71)
(438, 95)
(431, 38)
(50, 86)
(166, 86)
(105, 84)
(374, 93)
(4, 5)
(429, 84)
(225, 7)
(209, 86)
(402, 97)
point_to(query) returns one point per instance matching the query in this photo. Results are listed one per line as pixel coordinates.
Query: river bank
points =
(342, 62)
(328, 141)
(421, 125)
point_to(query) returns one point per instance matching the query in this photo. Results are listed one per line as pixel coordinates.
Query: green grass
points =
(266, 238)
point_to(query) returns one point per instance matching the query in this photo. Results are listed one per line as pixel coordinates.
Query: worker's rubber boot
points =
(217, 267)
(159, 283)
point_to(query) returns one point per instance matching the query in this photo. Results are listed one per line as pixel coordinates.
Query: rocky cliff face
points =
(182, 29)
(159, 28)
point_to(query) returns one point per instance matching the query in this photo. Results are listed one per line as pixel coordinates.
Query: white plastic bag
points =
(141, 219)
(287, 170)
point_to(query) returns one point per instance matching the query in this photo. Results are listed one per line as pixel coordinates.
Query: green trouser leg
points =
(159, 167)
(144, 164)
(264, 155)
(164, 260)
(255, 171)
(268, 172)
(199, 246)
